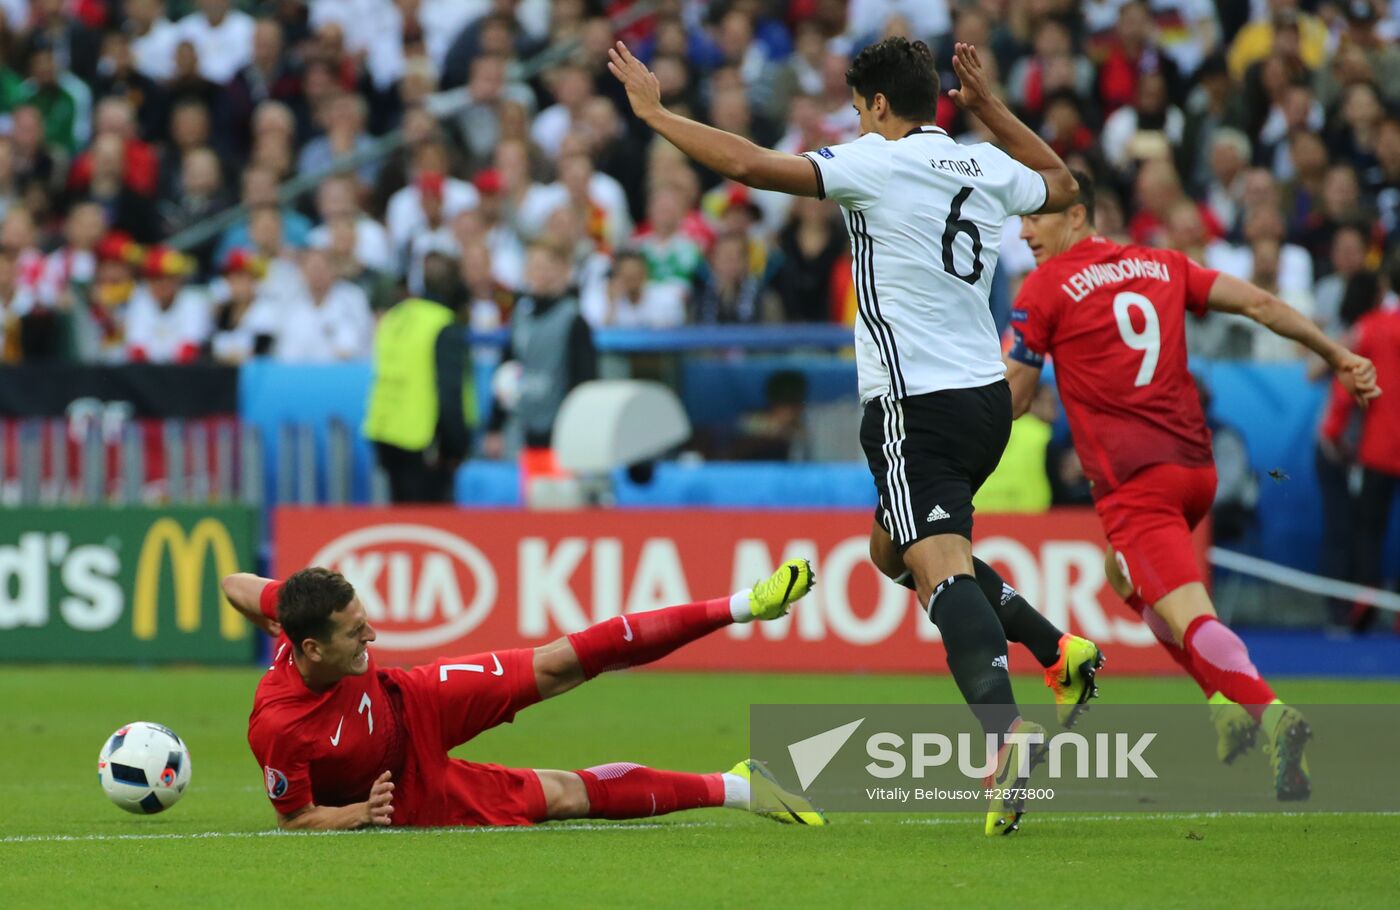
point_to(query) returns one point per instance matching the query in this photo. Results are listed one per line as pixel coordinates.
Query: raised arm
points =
(1019, 140)
(244, 591)
(1232, 295)
(724, 153)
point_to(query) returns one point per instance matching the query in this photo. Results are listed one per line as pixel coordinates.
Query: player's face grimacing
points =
(346, 651)
(1049, 235)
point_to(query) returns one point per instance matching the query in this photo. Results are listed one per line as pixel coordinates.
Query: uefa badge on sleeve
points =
(276, 782)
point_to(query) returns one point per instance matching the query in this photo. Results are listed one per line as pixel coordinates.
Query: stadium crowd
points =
(1260, 137)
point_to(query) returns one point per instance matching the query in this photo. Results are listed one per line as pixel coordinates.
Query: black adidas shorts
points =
(929, 454)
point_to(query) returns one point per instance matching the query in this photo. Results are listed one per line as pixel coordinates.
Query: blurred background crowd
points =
(146, 146)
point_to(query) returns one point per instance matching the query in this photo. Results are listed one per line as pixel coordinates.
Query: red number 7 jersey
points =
(1113, 319)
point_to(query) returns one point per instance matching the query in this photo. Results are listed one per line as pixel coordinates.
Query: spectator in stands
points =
(550, 351)
(222, 38)
(19, 235)
(260, 189)
(433, 235)
(1144, 129)
(1362, 55)
(727, 291)
(165, 321)
(1377, 336)
(1256, 40)
(200, 196)
(271, 75)
(74, 44)
(813, 246)
(244, 324)
(1050, 68)
(140, 164)
(118, 77)
(328, 320)
(1134, 54)
(267, 241)
(1230, 153)
(127, 210)
(55, 98)
(343, 119)
(190, 129)
(188, 83)
(98, 327)
(69, 270)
(1347, 259)
(405, 213)
(422, 406)
(670, 254)
(337, 198)
(1334, 459)
(153, 38)
(627, 299)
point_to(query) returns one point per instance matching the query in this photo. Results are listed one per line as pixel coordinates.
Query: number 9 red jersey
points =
(1113, 319)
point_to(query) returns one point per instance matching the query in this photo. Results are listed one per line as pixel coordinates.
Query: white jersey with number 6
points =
(925, 216)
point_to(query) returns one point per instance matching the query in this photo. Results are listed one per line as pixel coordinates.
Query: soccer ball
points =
(144, 768)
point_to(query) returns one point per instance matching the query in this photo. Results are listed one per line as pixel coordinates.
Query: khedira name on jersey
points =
(1083, 282)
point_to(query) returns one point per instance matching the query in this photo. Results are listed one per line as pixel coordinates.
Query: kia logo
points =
(410, 579)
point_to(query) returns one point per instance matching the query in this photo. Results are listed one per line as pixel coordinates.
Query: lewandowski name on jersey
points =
(1085, 281)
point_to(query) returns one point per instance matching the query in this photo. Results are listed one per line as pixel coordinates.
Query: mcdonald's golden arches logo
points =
(188, 554)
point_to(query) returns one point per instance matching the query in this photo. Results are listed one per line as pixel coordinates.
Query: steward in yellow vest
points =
(422, 401)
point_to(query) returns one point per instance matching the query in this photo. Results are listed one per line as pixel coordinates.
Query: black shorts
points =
(929, 454)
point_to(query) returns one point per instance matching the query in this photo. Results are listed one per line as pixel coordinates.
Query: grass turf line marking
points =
(440, 832)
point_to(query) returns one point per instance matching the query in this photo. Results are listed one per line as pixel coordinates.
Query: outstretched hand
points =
(976, 89)
(643, 88)
(1358, 376)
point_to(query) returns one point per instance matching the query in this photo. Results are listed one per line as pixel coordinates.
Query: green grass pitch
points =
(63, 845)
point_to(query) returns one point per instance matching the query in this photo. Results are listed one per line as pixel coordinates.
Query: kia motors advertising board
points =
(438, 582)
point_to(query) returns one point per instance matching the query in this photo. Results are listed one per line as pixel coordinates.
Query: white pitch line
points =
(440, 832)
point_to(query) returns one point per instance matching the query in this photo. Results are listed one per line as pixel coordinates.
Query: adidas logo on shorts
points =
(938, 514)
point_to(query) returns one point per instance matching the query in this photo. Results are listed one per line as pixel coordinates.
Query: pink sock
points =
(1159, 628)
(639, 638)
(1224, 661)
(625, 790)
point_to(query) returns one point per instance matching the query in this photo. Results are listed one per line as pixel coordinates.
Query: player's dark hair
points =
(1087, 196)
(307, 600)
(1361, 295)
(902, 71)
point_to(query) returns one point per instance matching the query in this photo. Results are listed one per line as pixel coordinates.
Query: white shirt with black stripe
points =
(925, 216)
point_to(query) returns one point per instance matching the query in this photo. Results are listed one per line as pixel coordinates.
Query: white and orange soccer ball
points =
(144, 768)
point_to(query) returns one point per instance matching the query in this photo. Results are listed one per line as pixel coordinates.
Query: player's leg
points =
(634, 639)
(624, 790)
(1235, 728)
(1071, 663)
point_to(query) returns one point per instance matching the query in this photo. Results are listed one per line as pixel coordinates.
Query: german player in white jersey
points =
(925, 216)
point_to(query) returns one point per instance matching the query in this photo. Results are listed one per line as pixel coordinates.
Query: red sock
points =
(1159, 628)
(1224, 660)
(625, 790)
(639, 638)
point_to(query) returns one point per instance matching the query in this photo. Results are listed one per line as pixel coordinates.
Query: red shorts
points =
(1149, 519)
(445, 704)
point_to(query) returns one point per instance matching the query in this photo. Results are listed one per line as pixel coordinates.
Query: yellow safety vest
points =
(1019, 484)
(403, 399)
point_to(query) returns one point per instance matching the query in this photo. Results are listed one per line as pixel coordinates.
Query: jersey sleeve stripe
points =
(821, 182)
(872, 302)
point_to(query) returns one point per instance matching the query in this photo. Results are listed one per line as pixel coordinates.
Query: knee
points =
(565, 795)
(1116, 579)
